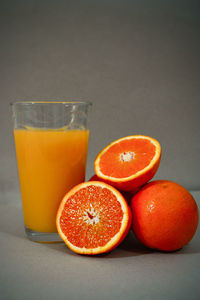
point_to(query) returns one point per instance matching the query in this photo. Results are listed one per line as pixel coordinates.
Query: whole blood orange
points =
(165, 215)
(129, 162)
(93, 218)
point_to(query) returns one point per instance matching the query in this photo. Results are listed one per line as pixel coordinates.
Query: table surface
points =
(31, 270)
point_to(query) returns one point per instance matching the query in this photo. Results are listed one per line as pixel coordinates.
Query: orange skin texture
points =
(165, 215)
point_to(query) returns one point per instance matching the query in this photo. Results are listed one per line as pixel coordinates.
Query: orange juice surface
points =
(50, 163)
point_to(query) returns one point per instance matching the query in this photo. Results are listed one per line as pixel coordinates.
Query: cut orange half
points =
(128, 195)
(129, 162)
(93, 218)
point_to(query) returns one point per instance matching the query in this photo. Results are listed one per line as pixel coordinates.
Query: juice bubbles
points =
(50, 163)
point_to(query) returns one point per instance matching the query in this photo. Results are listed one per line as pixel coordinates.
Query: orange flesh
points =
(141, 152)
(73, 222)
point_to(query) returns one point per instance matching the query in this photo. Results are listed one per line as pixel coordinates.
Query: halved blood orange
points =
(129, 162)
(93, 218)
(128, 195)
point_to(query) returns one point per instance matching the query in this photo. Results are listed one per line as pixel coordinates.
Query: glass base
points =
(43, 237)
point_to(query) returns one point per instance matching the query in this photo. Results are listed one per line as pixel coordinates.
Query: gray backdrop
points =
(137, 61)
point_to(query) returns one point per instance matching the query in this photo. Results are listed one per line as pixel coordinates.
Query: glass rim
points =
(51, 102)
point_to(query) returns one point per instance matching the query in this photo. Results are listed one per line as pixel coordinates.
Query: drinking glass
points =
(51, 141)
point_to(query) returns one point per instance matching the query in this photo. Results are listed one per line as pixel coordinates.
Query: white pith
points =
(94, 219)
(127, 156)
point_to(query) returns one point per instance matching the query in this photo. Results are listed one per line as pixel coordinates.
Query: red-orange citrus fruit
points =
(128, 195)
(165, 215)
(129, 162)
(93, 218)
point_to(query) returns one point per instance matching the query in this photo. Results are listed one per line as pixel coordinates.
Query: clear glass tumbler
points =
(51, 141)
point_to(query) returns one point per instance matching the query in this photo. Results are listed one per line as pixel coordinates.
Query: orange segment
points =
(93, 218)
(129, 162)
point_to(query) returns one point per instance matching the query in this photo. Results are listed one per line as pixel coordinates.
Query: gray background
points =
(34, 271)
(138, 62)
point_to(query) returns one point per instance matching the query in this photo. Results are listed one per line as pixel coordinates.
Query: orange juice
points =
(50, 163)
